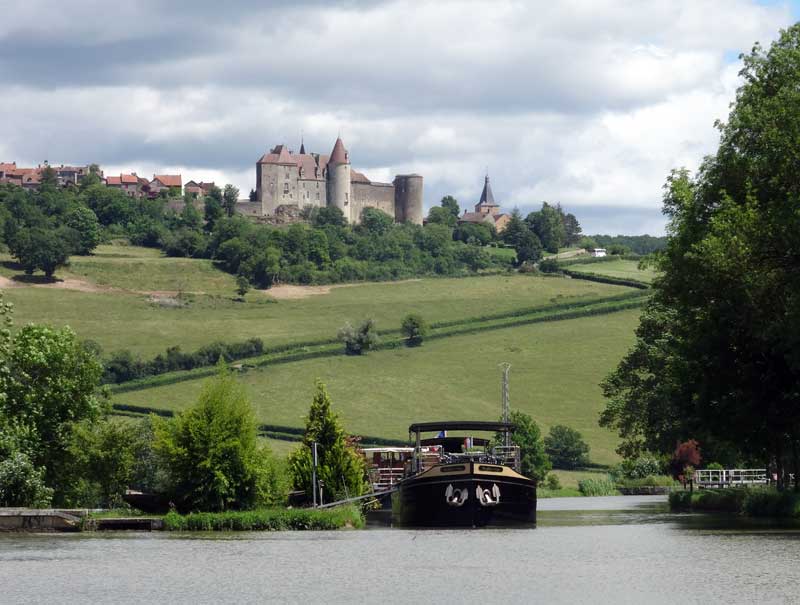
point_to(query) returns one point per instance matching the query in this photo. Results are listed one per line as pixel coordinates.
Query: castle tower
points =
(338, 185)
(408, 198)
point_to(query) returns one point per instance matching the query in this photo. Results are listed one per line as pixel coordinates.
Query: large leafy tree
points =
(341, 468)
(50, 388)
(717, 355)
(548, 226)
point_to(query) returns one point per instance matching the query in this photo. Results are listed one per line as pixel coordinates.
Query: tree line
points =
(717, 355)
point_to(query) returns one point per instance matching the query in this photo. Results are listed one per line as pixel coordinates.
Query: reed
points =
(269, 519)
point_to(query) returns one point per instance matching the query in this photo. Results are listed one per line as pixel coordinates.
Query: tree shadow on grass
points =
(35, 279)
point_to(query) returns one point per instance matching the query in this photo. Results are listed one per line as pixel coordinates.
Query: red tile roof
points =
(114, 181)
(168, 180)
(339, 153)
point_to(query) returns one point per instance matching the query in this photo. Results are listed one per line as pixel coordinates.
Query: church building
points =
(487, 211)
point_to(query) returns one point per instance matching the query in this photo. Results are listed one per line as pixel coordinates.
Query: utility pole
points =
(314, 472)
(506, 367)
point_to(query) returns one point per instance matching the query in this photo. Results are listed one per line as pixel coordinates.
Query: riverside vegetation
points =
(715, 363)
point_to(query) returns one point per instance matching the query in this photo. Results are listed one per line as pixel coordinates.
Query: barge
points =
(463, 481)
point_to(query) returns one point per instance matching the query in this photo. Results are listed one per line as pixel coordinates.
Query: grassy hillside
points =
(127, 317)
(623, 269)
(556, 368)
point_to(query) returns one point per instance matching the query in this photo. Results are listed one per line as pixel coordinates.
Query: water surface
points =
(585, 550)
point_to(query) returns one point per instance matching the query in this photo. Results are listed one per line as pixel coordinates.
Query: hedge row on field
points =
(301, 347)
(275, 431)
(579, 260)
(605, 279)
(442, 330)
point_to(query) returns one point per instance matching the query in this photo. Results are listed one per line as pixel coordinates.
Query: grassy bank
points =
(752, 502)
(271, 519)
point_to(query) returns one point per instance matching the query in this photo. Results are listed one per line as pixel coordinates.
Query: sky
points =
(586, 103)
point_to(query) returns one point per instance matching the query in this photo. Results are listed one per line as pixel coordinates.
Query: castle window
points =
(285, 188)
(346, 199)
(317, 195)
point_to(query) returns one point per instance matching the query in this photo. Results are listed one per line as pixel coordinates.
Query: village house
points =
(487, 211)
(165, 181)
(129, 183)
(198, 190)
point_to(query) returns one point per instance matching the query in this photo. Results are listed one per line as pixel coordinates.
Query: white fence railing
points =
(730, 477)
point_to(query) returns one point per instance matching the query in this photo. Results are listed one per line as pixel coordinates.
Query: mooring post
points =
(314, 471)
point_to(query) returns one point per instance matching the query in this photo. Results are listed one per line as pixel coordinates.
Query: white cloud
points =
(589, 103)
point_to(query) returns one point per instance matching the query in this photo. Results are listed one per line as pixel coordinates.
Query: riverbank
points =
(748, 501)
(271, 519)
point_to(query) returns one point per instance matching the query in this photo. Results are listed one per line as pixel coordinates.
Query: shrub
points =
(356, 341)
(211, 453)
(22, 484)
(552, 482)
(415, 329)
(648, 481)
(597, 487)
(644, 466)
(566, 447)
(549, 265)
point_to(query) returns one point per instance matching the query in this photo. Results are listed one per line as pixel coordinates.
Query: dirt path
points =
(59, 284)
(292, 292)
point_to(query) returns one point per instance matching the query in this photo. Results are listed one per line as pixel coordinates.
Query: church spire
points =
(302, 145)
(487, 197)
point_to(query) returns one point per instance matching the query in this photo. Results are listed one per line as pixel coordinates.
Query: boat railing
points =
(508, 455)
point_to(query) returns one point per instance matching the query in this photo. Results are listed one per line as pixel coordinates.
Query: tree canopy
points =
(716, 356)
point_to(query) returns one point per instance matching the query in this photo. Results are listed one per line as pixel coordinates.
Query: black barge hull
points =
(468, 499)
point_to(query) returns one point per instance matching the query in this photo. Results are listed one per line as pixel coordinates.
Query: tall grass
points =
(597, 487)
(271, 519)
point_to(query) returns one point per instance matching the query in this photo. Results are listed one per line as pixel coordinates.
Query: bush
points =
(22, 484)
(597, 487)
(414, 329)
(648, 481)
(549, 265)
(552, 482)
(566, 447)
(211, 452)
(644, 466)
(356, 341)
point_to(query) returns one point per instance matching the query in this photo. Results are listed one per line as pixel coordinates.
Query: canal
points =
(585, 550)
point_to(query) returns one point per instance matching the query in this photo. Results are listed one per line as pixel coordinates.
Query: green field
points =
(623, 269)
(127, 297)
(556, 368)
(123, 318)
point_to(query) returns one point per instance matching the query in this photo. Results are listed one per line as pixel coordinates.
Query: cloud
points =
(586, 103)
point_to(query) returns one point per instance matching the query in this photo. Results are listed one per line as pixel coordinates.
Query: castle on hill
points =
(285, 179)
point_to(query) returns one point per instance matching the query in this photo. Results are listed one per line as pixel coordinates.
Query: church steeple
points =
(302, 146)
(487, 197)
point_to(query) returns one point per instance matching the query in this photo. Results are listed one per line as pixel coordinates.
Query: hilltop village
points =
(286, 184)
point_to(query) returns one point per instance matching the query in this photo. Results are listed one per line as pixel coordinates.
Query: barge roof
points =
(460, 425)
